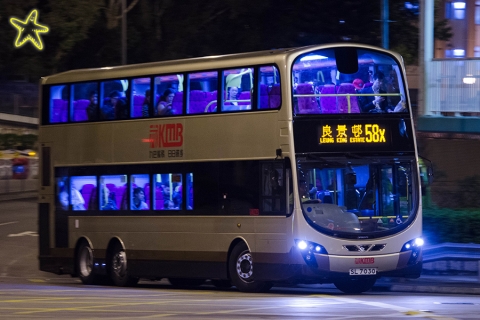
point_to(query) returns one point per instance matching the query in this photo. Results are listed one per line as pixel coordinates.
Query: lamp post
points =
(385, 21)
(124, 32)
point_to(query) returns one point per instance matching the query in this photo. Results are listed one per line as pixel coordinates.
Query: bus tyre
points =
(242, 271)
(355, 286)
(85, 268)
(119, 268)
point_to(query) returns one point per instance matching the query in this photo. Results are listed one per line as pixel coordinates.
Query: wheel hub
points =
(120, 263)
(245, 266)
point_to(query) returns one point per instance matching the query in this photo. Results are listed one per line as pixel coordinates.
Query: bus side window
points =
(273, 187)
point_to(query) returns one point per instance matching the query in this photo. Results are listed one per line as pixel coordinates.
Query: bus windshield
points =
(357, 197)
(347, 80)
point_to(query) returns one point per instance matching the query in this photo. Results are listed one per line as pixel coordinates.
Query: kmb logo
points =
(166, 135)
(364, 260)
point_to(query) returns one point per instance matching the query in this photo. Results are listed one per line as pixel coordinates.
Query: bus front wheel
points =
(85, 268)
(241, 270)
(355, 286)
(119, 268)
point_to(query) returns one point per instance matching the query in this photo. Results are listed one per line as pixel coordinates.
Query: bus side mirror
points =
(426, 171)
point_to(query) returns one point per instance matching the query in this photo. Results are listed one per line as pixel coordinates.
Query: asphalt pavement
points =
(433, 283)
(427, 283)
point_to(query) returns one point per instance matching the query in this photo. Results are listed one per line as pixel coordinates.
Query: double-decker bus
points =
(255, 169)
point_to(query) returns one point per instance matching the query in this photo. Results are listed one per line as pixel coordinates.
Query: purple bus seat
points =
(211, 96)
(138, 100)
(56, 114)
(306, 105)
(120, 197)
(80, 110)
(342, 102)
(263, 103)
(60, 110)
(196, 102)
(177, 103)
(328, 104)
(244, 95)
(146, 191)
(274, 98)
(87, 193)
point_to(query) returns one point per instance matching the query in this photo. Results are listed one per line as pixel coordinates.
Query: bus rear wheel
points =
(85, 268)
(119, 268)
(241, 270)
(355, 286)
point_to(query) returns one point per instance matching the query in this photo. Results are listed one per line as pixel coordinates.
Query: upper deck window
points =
(238, 86)
(202, 92)
(141, 98)
(347, 80)
(85, 102)
(269, 88)
(59, 98)
(114, 102)
(168, 95)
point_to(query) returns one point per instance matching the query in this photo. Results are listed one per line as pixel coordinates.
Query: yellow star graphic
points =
(28, 30)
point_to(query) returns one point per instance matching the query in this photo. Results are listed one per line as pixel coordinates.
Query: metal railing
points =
(453, 252)
(454, 86)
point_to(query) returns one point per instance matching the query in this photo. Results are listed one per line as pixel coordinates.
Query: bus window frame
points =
(46, 107)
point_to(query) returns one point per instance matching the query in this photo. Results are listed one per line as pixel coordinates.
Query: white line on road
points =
(25, 233)
(5, 223)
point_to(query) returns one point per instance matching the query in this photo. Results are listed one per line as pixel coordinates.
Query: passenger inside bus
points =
(138, 202)
(92, 109)
(368, 103)
(78, 203)
(146, 104)
(164, 106)
(107, 199)
(115, 107)
(232, 97)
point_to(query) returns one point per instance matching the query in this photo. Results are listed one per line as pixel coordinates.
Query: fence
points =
(454, 86)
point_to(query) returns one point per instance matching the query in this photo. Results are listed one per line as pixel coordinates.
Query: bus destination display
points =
(354, 133)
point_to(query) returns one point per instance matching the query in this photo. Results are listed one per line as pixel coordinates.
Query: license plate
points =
(363, 271)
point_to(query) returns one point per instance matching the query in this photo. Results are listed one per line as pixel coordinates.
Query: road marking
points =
(5, 223)
(25, 233)
(400, 309)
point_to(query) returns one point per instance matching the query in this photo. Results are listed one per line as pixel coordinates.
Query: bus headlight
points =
(414, 245)
(308, 250)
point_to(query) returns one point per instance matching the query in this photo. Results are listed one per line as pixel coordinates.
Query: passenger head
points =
(168, 96)
(139, 194)
(114, 97)
(232, 93)
(94, 97)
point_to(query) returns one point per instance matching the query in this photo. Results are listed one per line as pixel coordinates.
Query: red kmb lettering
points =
(166, 135)
(364, 260)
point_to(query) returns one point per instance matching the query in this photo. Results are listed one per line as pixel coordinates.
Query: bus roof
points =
(185, 65)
